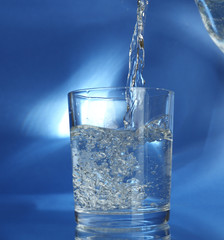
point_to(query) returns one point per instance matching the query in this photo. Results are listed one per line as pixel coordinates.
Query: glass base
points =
(125, 226)
(160, 232)
(151, 225)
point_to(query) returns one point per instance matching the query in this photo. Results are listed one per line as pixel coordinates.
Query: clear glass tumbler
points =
(121, 174)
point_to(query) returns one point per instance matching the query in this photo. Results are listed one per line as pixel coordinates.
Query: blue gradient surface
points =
(48, 48)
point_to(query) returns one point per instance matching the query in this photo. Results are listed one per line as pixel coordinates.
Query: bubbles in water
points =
(109, 165)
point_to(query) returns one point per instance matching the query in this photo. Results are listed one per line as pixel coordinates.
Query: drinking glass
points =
(121, 174)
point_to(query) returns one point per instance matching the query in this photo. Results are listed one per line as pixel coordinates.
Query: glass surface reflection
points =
(159, 232)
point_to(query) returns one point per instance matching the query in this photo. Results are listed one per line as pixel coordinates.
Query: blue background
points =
(50, 47)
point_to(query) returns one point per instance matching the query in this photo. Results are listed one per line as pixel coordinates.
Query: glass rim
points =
(86, 90)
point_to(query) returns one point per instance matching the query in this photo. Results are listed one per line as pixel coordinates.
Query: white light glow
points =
(49, 118)
(63, 127)
(92, 112)
(102, 113)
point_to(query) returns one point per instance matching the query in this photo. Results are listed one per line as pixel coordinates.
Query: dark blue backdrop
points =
(50, 47)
